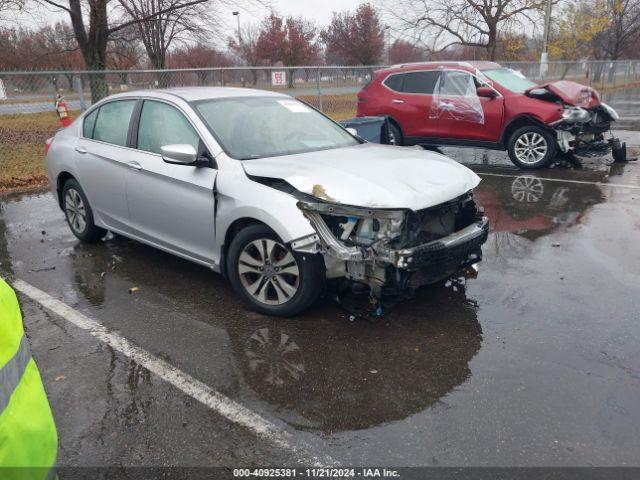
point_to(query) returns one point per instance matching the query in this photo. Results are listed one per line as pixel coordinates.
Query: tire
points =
(78, 213)
(395, 134)
(532, 147)
(260, 283)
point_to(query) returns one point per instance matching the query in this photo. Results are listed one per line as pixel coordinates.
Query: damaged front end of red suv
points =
(584, 126)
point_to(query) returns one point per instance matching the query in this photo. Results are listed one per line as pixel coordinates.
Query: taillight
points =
(47, 145)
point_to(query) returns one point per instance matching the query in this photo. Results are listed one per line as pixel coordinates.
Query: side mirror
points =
(486, 92)
(352, 131)
(180, 154)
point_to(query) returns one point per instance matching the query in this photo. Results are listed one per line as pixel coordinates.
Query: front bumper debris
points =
(395, 261)
(587, 137)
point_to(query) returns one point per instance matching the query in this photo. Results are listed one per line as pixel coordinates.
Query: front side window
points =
(420, 82)
(161, 124)
(256, 127)
(457, 83)
(112, 123)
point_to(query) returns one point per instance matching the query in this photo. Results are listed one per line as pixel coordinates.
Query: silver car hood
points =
(371, 175)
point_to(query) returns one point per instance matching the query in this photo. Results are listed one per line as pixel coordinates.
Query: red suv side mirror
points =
(486, 92)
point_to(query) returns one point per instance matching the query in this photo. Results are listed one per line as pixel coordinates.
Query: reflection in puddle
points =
(337, 376)
(274, 357)
(530, 207)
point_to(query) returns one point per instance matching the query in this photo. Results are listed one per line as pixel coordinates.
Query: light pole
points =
(544, 56)
(387, 30)
(237, 15)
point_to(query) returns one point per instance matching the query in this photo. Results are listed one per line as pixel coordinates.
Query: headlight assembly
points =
(575, 115)
(612, 113)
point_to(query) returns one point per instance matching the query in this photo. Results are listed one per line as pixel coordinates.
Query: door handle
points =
(81, 150)
(134, 166)
(396, 100)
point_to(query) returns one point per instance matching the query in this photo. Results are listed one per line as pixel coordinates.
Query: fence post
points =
(319, 89)
(78, 82)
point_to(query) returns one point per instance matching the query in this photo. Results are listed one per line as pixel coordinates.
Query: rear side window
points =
(394, 82)
(420, 82)
(89, 123)
(162, 124)
(112, 124)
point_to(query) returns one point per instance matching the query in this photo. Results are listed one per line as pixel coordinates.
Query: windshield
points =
(510, 79)
(257, 127)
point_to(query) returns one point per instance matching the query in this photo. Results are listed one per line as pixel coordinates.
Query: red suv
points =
(483, 104)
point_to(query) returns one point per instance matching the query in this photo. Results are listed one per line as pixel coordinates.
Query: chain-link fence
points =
(27, 115)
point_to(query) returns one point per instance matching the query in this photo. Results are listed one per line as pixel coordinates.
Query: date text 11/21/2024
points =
(315, 473)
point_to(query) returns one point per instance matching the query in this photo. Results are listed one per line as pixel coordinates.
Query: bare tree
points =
(472, 23)
(7, 5)
(167, 25)
(623, 32)
(245, 47)
(93, 29)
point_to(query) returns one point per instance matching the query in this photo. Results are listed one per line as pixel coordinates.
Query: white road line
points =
(562, 180)
(206, 395)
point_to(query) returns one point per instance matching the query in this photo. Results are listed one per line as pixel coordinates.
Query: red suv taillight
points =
(47, 145)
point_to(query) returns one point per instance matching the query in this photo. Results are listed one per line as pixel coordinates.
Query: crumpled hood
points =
(572, 93)
(371, 175)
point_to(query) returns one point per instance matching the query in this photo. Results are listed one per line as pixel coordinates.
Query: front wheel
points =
(531, 147)
(271, 278)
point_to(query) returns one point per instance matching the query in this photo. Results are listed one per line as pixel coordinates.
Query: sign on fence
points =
(3, 92)
(278, 79)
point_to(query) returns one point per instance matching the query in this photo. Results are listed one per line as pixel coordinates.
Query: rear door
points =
(414, 104)
(171, 205)
(101, 156)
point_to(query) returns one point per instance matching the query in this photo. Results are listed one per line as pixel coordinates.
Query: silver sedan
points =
(266, 190)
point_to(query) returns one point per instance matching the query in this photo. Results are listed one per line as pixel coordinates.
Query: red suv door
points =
(460, 113)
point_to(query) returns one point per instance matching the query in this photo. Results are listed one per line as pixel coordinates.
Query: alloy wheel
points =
(530, 147)
(75, 210)
(268, 272)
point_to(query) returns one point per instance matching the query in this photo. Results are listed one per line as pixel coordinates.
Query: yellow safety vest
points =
(28, 437)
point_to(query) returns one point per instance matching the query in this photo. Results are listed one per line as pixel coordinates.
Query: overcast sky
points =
(317, 10)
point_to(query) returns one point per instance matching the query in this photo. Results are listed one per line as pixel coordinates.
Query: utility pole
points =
(544, 57)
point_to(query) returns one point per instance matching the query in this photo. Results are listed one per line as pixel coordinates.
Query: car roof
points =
(470, 66)
(191, 94)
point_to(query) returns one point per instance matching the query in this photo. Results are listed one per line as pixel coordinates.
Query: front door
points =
(170, 205)
(460, 113)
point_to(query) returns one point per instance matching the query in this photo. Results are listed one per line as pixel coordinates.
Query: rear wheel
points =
(531, 147)
(271, 278)
(79, 214)
(395, 134)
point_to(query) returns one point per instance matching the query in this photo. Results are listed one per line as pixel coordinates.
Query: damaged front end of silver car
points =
(395, 251)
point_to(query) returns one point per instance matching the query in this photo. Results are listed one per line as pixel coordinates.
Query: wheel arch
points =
(519, 122)
(232, 230)
(63, 177)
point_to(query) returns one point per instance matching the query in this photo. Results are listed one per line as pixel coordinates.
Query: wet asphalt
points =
(535, 362)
